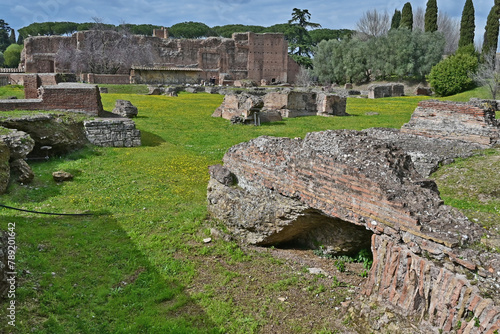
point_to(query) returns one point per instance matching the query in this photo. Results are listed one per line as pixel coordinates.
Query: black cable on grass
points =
(47, 213)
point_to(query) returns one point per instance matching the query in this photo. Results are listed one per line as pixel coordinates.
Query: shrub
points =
(452, 75)
(12, 55)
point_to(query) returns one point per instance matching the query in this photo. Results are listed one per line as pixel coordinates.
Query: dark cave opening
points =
(316, 231)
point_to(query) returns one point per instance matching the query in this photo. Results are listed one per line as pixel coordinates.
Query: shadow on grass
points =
(150, 139)
(85, 274)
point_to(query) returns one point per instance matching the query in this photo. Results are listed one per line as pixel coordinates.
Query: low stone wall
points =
(389, 90)
(114, 132)
(4, 167)
(466, 121)
(64, 97)
(112, 79)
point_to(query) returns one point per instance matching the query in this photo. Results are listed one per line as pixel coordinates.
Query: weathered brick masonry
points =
(64, 96)
(422, 264)
(472, 121)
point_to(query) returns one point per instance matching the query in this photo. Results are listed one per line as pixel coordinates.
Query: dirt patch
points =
(278, 292)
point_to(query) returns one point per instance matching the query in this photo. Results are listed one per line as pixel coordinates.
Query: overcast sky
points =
(333, 14)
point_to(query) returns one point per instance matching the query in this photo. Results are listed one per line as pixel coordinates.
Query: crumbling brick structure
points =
(63, 96)
(424, 268)
(244, 56)
(286, 103)
(388, 90)
(472, 121)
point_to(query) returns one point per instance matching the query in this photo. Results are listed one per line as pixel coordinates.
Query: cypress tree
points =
(407, 17)
(431, 16)
(396, 19)
(467, 25)
(491, 30)
(12, 36)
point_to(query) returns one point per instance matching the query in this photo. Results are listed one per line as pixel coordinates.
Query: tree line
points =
(10, 49)
(411, 45)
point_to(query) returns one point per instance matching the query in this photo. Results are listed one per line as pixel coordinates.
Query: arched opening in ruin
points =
(273, 80)
(314, 230)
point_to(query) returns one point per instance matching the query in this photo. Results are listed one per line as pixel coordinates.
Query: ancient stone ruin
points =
(376, 91)
(348, 189)
(273, 105)
(178, 61)
(472, 121)
(46, 92)
(112, 132)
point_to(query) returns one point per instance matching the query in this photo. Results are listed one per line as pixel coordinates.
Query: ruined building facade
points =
(251, 56)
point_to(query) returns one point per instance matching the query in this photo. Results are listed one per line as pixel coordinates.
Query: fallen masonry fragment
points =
(346, 189)
(273, 105)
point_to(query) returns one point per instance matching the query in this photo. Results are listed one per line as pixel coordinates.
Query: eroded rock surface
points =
(4, 166)
(426, 153)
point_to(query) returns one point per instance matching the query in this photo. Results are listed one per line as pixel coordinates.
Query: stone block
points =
(388, 90)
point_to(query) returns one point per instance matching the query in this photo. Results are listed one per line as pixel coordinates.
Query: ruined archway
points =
(422, 263)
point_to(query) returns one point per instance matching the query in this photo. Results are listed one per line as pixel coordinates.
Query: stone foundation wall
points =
(111, 79)
(114, 132)
(472, 121)
(70, 96)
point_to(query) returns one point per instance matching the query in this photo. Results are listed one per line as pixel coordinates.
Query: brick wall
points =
(434, 295)
(267, 57)
(471, 121)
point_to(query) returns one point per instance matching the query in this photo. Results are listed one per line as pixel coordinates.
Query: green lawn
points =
(139, 265)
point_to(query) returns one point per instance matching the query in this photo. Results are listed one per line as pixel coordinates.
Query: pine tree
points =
(396, 19)
(4, 35)
(490, 43)
(407, 17)
(431, 16)
(467, 25)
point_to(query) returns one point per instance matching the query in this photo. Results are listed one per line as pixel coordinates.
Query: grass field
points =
(140, 265)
